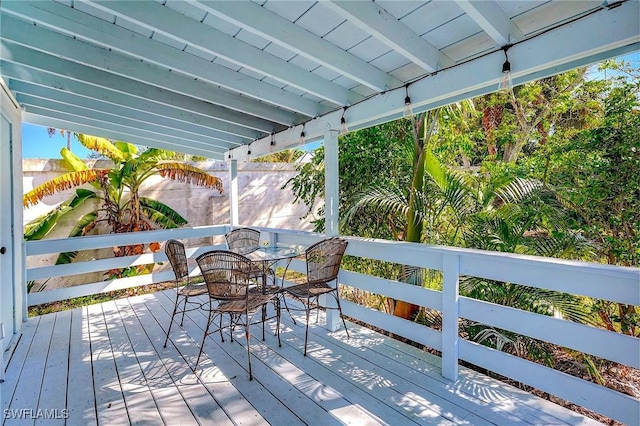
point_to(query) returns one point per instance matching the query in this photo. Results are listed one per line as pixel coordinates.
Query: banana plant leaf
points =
(161, 214)
(61, 183)
(128, 149)
(101, 145)
(85, 223)
(40, 227)
(71, 160)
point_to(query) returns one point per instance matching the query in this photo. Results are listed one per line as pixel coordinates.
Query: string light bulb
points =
(343, 123)
(408, 111)
(302, 139)
(272, 144)
(506, 83)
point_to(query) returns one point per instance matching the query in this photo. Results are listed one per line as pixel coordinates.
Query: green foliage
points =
(41, 226)
(363, 154)
(122, 208)
(550, 169)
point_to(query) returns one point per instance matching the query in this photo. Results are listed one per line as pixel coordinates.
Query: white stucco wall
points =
(262, 202)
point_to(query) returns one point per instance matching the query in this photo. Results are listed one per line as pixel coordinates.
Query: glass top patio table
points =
(267, 256)
(272, 254)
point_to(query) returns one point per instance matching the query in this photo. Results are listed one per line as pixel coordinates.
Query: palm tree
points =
(433, 192)
(122, 208)
(444, 206)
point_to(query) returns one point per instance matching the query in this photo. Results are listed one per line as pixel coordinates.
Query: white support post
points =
(331, 190)
(233, 193)
(450, 297)
(331, 194)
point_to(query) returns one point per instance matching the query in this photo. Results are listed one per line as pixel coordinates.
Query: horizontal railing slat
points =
(100, 265)
(401, 291)
(92, 242)
(398, 326)
(586, 394)
(614, 283)
(569, 334)
(96, 288)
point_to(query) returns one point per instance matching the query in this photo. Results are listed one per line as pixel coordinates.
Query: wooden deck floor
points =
(105, 364)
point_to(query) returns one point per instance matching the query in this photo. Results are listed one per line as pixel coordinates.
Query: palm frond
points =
(518, 190)
(436, 171)
(385, 201)
(101, 145)
(61, 183)
(189, 174)
(161, 214)
(456, 194)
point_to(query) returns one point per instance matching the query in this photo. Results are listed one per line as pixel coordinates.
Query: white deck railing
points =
(617, 284)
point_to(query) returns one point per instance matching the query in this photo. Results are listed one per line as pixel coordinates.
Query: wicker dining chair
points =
(246, 240)
(177, 257)
(243, 240)
(323, 264)
(228, 279)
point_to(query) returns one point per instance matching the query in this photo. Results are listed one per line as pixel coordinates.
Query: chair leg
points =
(277, 302)
(247, 332)
(264, 318)
(204, 338)
(175, 309)
(284, 299)
(306, 330)
(342, 316)
(184, 309)
(220, 329)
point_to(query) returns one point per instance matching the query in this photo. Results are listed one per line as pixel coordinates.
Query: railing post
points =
(233, 192)
(331, 197)
(450, 297)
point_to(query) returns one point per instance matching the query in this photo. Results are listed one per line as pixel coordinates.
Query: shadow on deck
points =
(105, 364)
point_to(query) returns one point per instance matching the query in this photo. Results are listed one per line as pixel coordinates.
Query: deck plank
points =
(172, 404)
(232, 366)
(15, 364)
(81, 399)
(416, 389)
(292, 385)
(118, 372)
(53, 391)
(27, 390)
(201, 402)
(139, 401)
(382, 388)
(110, 403)
(225, 395)
(472, 384)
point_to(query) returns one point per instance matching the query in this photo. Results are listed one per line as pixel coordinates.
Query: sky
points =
(36, 142)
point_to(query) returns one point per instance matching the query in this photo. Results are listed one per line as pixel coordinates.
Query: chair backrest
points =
(174, 250)
(226, 274)
(243, 240)
(323, 260)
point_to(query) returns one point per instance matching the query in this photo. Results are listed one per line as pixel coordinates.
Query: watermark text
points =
(33, 414)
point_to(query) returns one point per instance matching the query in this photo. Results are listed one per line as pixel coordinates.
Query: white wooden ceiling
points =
(227, 78)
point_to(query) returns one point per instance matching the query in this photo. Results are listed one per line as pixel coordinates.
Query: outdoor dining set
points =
(242, 281)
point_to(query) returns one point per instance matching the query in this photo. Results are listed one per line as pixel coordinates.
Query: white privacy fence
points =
(617, 284)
